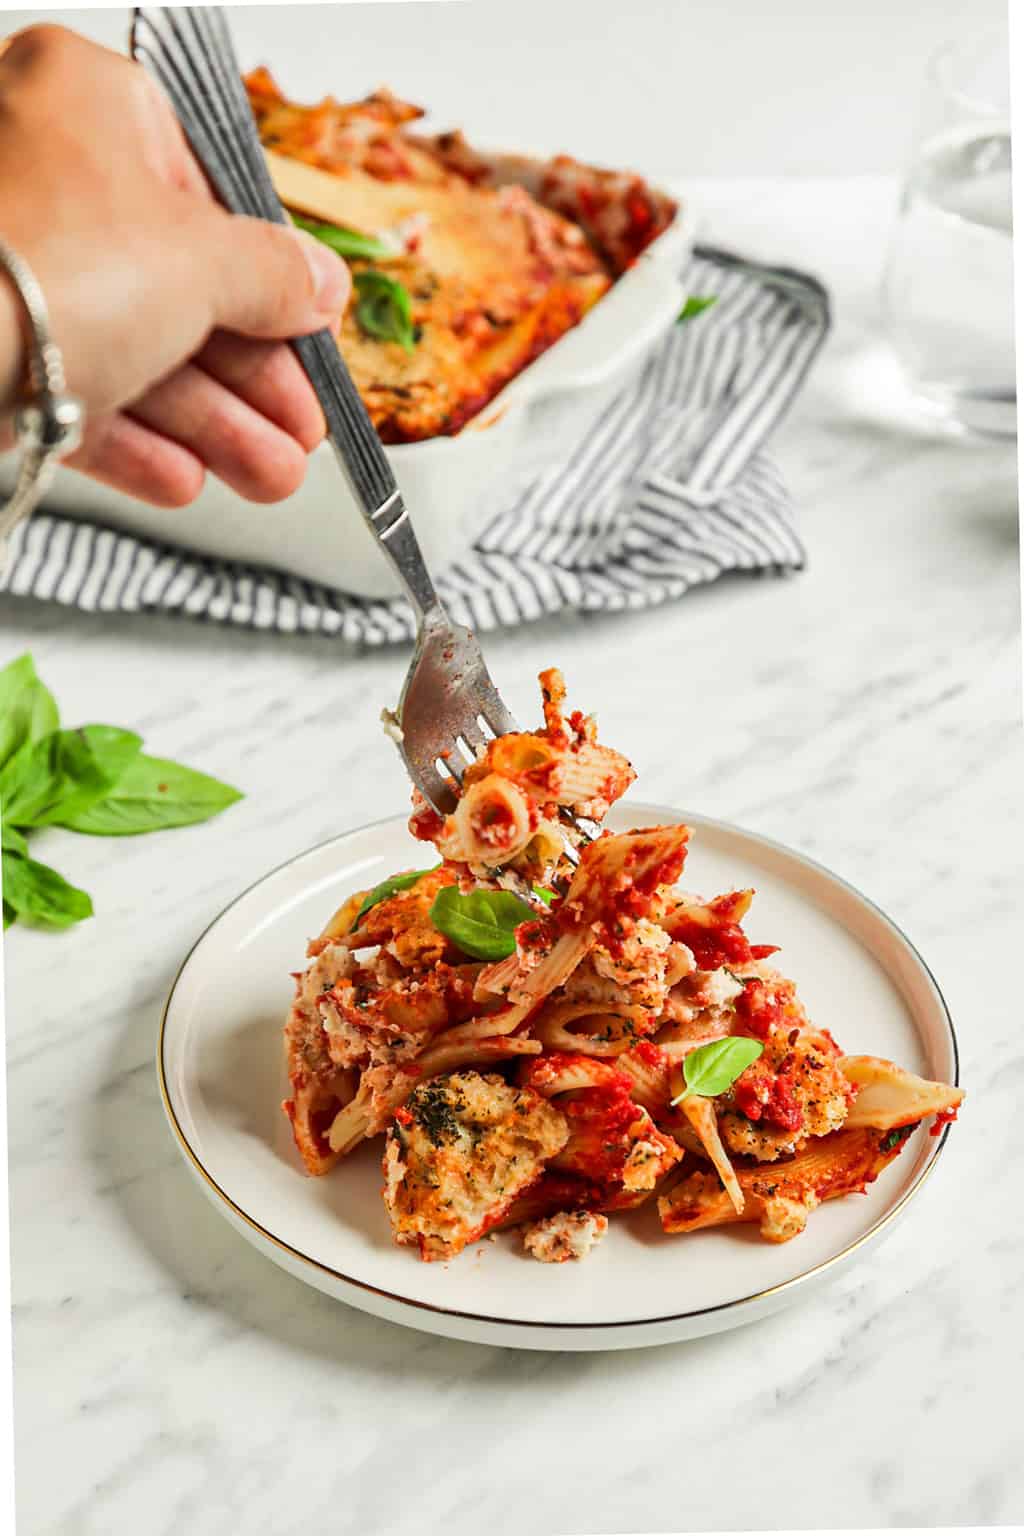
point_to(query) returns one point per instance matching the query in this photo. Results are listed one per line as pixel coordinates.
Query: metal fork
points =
(449, 707)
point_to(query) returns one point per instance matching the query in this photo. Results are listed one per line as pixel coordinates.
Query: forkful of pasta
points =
(449, 708)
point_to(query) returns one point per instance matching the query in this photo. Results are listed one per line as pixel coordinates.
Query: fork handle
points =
(364, 464)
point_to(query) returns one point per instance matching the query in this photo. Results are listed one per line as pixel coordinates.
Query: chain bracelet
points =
(48, 423)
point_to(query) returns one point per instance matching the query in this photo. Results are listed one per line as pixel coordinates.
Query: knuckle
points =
(45, 45)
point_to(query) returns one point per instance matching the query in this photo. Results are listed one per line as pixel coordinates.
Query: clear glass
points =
(948, 289)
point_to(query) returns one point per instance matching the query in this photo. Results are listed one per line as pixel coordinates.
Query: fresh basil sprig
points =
(384, 308)
(12, 841)
(63, 773)
(347, 242)
(27, 709)
(388, 887)
(712, 1068)
(482, 923)
(95, 779)
(39, 893)
(546, 896)
(696, 305)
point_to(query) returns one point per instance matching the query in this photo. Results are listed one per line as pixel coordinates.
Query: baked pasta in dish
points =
(545, 1030)
(465, 268)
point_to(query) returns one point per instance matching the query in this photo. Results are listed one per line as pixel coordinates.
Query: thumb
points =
(270, 280)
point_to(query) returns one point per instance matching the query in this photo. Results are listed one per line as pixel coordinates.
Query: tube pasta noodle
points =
(551, 1084)
(701, 1114)
(888, 1097)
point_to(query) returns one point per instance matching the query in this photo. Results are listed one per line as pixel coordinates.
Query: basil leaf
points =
(546, 896)
(10, 916)
(712, 1068)
(11, 840)
(695, 306)
(482, 923)
(347, 242)
(37, 892)
(384, 309)
(63, 773)
(151, 794)
(27, 708)
(388, 887)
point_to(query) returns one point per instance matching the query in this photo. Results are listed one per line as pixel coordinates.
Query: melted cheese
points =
(494, 278)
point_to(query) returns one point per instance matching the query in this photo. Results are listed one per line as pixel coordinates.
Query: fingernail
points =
(331, 280)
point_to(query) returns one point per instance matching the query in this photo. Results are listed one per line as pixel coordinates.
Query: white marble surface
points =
(168, 1378)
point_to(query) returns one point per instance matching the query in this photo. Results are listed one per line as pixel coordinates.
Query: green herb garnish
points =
(482, 923)
(546, 896)
(712, 1068)
(433, 1109)
(388, 887)
(895, 1137)
(347, 242)
(695, 306)
(95, 780)
(384, 309)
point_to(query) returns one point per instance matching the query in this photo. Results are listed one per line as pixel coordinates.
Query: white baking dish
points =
(449, 483)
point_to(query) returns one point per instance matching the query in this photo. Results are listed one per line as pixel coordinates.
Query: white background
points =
(868, 712)
(692, 87)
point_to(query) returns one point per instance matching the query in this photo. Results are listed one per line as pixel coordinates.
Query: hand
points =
(170, 312)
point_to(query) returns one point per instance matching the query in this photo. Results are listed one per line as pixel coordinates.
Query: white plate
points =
(222, 1077)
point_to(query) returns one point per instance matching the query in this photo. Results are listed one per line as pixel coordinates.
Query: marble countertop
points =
(169, 1378)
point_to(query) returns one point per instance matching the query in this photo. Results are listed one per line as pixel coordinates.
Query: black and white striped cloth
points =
(670, 489)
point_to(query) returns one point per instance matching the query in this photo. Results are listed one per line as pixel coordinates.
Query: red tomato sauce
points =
(599, 1122)
(649, 1053)
(779, 1109)
(942, 1119)
(713, 947)
(758, 1009)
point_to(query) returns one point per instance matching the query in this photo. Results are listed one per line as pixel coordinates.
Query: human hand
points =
(170, 312)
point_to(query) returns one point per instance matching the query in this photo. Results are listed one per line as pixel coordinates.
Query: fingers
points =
(249, 415)
(268, 376)
(270, 280)
(130, 457)
(245, 450)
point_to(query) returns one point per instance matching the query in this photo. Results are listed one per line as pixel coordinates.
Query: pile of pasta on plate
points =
(545, 1029)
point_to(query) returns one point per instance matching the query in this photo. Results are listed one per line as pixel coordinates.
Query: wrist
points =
(48, 421)
(13, 347)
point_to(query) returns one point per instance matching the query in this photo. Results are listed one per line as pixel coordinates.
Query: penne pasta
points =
(889, 1097)
(701, 1115)
(780, 1198)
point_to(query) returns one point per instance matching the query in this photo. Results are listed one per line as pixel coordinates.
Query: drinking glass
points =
(948, 287)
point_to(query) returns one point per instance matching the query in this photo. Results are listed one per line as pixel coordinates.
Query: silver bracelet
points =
(48, 424)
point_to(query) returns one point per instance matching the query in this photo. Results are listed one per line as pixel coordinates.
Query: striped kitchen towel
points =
(672, 488)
